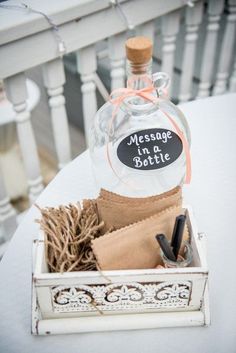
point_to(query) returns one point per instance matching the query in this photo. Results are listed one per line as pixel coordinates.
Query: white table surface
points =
(212, 194)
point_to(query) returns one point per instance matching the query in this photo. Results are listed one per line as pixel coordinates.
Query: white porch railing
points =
(32, 37)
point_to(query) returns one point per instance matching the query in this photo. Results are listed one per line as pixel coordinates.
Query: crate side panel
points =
(167, 294)
(121, 322)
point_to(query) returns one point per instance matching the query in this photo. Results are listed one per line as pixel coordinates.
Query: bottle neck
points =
(139, 75)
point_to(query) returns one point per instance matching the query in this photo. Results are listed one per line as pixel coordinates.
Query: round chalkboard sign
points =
(150, 149)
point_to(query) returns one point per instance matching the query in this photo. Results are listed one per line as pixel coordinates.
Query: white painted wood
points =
(206, 306)
(53, 289)
(39, 260)
(116, 50)
(87, 65)
(16, 92)
(170, 29)
(214, 10)
(232, 81)
(44, 300)
(7, 213)
(76, 33)
(62, 13)
(54, 79)
(147, 29)
(106, 277)
(193, 18)
(101, 87)
(119, 322)
(226, 51)
(10, 156)
(60, 10)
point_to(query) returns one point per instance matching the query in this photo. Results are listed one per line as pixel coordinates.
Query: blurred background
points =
(60, 59)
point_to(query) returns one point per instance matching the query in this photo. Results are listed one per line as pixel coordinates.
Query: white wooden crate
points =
(121, 300)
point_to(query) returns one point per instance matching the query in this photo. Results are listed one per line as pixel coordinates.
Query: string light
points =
(118, 6)
(22, 6)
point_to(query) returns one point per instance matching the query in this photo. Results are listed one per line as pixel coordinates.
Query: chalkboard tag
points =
(150, 149)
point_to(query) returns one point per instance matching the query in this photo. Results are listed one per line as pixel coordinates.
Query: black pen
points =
(165, 247)
(178, 234)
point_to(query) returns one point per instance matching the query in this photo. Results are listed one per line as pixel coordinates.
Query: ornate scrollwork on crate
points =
(131, 296)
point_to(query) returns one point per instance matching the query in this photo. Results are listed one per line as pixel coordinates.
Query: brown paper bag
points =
(118, 211)
(135, 246)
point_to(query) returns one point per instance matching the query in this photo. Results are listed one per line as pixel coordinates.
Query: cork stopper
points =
(139, 49)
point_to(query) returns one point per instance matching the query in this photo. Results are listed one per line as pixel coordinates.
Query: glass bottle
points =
(134, 146)
(183, 261)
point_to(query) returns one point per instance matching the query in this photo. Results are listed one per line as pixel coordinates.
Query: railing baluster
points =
(16, 91)
(170, 29)
(54, 79)
(226, 51)
(232, 82)
(7, 212)
(147, 30)
(86, 66)
(117, 55)
(214, 9)
(192, 20)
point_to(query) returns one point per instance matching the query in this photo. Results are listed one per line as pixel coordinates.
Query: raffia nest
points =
(68, 232)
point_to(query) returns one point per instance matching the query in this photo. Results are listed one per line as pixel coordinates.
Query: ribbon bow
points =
(118, 96)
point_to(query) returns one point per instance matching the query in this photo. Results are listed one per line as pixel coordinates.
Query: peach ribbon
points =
(118, 96)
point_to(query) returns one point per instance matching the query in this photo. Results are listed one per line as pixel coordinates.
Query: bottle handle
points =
(161, 81)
